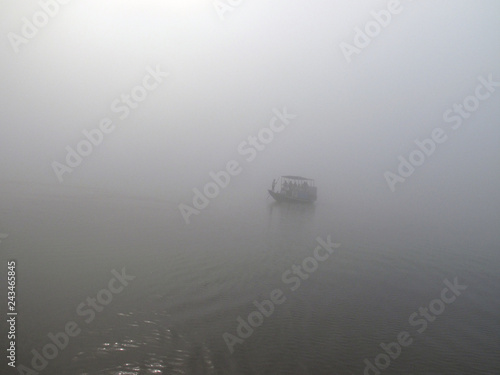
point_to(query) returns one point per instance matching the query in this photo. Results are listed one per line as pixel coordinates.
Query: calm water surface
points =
(193, 282)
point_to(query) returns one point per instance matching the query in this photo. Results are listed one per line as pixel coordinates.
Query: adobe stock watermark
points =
(224, 6)
(363, 37)
(292, 277)
(121, 106)
(420, 319)
(88, 309)
(30, 27)
(249, 149)
(455, 116)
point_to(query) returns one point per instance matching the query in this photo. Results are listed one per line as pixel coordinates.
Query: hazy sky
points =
(225, 78)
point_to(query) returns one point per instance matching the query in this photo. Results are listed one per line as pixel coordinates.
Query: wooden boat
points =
(293, 189)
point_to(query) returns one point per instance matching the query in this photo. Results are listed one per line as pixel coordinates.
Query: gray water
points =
(192, 282)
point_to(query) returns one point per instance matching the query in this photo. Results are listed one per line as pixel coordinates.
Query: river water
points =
(187, 288)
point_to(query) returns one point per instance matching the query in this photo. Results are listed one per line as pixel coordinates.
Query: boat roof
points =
(297, 178)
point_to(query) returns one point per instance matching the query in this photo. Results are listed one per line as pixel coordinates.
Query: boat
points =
(293, 189)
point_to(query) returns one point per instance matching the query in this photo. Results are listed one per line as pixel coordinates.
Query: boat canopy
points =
(297, 178)
(294, 189)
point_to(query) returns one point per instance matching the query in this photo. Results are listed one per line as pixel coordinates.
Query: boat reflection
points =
(290, 216)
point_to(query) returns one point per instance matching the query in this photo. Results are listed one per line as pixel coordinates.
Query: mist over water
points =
(193, 282)
(116, 277)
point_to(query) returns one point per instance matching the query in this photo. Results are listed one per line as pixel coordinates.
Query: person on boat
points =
(274, 184)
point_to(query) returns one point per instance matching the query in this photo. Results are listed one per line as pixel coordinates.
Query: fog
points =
(392, 107)
(225, 78)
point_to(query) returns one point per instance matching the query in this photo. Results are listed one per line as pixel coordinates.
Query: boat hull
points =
(280, 197)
